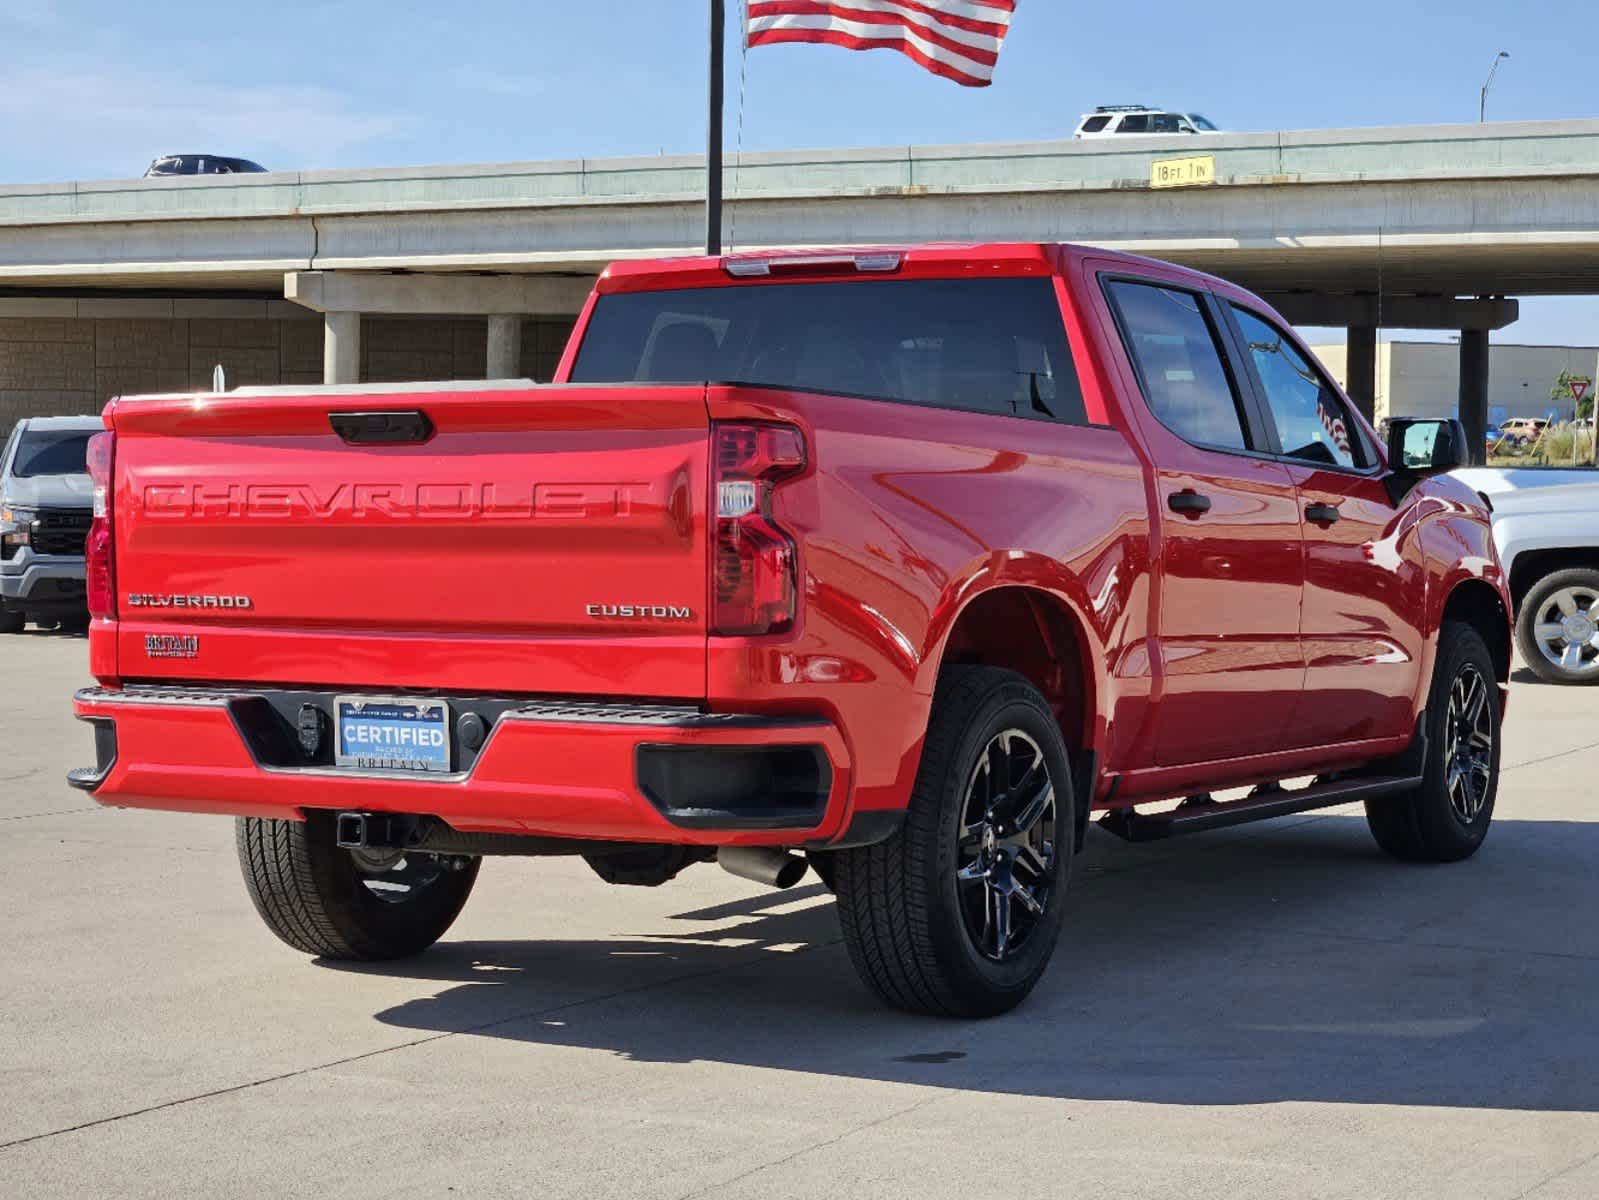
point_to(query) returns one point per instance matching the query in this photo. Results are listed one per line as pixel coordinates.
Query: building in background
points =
(1422, 379)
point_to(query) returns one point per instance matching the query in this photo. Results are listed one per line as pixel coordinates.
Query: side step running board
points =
(1197, 818)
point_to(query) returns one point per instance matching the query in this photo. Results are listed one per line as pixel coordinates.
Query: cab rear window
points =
(982, 345)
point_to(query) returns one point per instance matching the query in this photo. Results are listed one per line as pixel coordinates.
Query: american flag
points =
(958, 39)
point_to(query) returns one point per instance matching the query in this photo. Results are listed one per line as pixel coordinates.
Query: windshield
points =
(1202, 123)
(52, 454)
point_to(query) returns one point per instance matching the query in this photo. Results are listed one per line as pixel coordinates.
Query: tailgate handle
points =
(381, 428)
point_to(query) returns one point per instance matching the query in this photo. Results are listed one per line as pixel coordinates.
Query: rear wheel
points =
(1557, 626)
(958, 913)
(349, 904)
(1447, 817)
(12, 621)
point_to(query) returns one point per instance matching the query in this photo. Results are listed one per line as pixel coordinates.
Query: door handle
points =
(1322, 514)
(1189, 503)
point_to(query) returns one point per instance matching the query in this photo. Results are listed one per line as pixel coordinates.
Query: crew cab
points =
(904, 565)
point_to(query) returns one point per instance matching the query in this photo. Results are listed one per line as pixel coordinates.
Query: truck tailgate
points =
(542, 540)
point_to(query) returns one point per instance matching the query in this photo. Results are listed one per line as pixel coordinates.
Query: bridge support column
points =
(341, 347)
(505, 347)
(1474, 392)
(1362, 369)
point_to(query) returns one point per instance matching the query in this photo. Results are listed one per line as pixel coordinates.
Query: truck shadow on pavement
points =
(1292, 963)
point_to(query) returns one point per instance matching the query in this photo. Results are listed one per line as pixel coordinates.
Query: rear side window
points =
(1173, 346)
(982, 345)
(1095, 124)
(1136, 123)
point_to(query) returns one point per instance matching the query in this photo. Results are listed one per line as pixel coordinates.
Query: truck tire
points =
(12, 621)
(346, 904)
(1447, 817)
(958, 912)
(1557, 626)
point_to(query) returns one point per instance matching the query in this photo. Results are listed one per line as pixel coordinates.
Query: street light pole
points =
(1482, 114)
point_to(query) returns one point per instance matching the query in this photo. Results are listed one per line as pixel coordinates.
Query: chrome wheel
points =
(1005, 857)
(1469, 744)
(1566, 629)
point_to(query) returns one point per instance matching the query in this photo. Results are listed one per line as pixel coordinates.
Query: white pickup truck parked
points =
(1546, 525)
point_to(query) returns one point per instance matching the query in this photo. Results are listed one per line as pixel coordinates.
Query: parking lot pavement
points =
(1271, 1011)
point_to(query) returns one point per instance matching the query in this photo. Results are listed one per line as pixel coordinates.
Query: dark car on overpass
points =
(202, 164)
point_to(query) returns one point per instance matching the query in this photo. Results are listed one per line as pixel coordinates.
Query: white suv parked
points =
(1111, 120)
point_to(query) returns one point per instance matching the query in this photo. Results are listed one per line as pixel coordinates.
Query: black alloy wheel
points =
(1469, 743)
(1006, 846)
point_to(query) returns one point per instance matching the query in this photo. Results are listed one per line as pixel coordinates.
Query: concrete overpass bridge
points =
(1423, 227)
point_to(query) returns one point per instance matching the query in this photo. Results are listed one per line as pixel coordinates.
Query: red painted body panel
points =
(556, 780)
(1363, 624)
(1243, 646)
(464, 563)
(897, 531)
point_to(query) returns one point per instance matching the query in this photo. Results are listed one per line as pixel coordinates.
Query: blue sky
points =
(93, 89)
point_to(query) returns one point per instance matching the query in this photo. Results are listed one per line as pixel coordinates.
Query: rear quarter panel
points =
(907, 515)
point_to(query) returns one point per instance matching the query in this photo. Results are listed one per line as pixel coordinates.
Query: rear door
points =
(1227, 656)
(1365, 579)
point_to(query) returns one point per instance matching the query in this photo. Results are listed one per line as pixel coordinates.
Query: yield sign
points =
(1579, 388)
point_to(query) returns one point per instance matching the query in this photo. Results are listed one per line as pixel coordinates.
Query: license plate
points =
(379, 734)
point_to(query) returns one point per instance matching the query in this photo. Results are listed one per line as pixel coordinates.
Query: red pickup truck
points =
(895, 564)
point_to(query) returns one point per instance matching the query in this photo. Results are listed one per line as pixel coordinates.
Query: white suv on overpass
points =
(1112, 120)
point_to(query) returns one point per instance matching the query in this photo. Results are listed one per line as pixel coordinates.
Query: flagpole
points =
(713, 148)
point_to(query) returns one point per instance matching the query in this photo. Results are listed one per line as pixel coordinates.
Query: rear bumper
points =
(569, 769)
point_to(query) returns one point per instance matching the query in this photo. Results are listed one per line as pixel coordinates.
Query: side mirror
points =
(1426, 447)
(1419, 448)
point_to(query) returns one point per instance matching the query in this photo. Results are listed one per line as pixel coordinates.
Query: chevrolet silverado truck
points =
(897, 564)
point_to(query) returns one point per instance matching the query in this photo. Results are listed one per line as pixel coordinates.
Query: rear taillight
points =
(754, 563)
(100, 570)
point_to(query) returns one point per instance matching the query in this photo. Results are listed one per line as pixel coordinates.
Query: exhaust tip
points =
(791, 872)
(762, 864)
